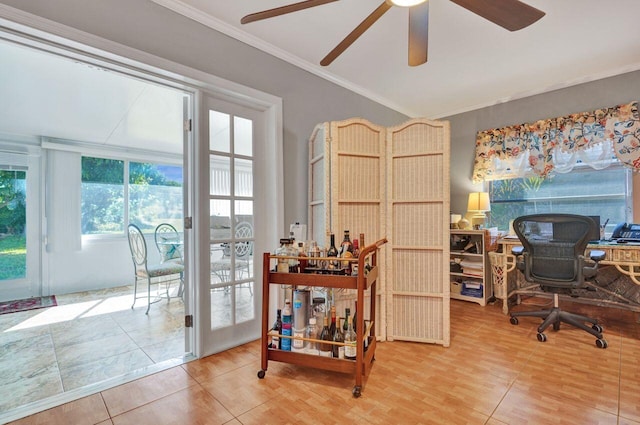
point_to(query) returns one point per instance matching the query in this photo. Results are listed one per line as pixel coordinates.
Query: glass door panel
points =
(19, 226)
(13, 223)
(234, 296)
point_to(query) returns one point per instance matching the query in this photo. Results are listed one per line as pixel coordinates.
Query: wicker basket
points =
(498, 262)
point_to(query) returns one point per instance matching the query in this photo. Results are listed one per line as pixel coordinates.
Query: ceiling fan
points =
(510, 14)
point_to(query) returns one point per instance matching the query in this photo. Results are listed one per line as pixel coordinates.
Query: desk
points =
(621, 293)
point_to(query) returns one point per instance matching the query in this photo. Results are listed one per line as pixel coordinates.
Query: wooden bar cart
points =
(366, 279)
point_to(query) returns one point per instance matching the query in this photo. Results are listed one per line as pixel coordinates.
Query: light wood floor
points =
(493, 373)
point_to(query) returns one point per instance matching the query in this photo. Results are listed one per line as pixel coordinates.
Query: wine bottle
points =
(347, 314)
(325, 335)
(332, 252)
(286, 326)
(350, 340)
(338, 337)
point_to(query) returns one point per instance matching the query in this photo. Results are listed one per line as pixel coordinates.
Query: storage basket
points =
(498, 262)
(472, 289)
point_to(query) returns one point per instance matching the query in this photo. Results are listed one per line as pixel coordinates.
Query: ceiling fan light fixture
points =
(406, 3)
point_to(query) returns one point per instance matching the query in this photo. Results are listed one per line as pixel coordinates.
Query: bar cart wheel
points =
(261, 373)
(357, 391)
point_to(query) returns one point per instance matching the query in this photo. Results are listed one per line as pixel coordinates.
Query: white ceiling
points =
(472, 62)
(79, 102)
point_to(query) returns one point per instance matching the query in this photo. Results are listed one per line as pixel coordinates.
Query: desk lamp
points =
(478, 205)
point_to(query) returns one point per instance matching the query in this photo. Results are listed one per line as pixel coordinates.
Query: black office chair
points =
(552, 256)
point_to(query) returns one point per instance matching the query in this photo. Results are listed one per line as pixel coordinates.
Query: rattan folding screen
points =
(394, 183)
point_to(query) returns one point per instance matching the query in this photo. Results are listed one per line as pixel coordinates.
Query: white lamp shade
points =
(479, 203)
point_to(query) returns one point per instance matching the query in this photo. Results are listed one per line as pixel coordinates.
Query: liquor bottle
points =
(332, 251)
(338, 337)
(277, 327)
(285, 344)
(356, 248)
(346, 245)
(311, 347)
(314, 251)
(283, 264)
(325, 335)
(302, 255)
(346, 251)
(350, 341)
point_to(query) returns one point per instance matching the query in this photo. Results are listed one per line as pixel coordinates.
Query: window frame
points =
(126, 183)
(629, 201)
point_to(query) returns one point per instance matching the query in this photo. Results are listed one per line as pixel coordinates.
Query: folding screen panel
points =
(391, 183)
(417, 261)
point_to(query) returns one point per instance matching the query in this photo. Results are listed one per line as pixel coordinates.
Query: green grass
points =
(13, 257)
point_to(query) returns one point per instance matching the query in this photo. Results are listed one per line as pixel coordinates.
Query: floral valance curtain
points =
(555, 145)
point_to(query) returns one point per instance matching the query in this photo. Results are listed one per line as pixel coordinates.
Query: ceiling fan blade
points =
(418, 34)
(357, 32)
(265, 14)
(510, 14)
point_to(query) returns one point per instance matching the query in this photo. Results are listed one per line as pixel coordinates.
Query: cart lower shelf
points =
(325, 363)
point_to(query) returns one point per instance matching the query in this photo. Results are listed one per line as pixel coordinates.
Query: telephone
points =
(627, 231)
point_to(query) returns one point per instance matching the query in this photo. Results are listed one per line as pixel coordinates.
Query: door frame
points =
(28, 29)
(220, 339)
(27, 158)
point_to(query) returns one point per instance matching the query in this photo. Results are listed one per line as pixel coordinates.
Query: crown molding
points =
(212, 22)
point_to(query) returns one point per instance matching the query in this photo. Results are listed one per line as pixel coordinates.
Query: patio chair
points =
(170, 246)
(243, 248)
(144, 271)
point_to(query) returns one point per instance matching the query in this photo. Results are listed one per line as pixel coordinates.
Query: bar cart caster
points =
(261, 373)
(357, 391)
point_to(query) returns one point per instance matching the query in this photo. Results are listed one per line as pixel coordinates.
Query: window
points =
(153, 195)
(605, 193)
(102, 193)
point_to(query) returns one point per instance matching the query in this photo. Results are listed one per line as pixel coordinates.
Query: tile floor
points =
(89, 337)
(493, 373)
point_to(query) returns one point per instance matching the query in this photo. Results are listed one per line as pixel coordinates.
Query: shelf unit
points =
(364, 359)
(470, 247)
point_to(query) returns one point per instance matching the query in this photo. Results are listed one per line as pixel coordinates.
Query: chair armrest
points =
(517, 250)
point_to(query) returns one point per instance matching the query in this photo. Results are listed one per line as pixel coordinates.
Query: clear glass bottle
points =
(324, 349)
(350, 340)
(285, 344)
(284, 250)
(311, 347)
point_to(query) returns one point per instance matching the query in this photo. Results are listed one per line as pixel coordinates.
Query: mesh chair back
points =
(554, 247)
